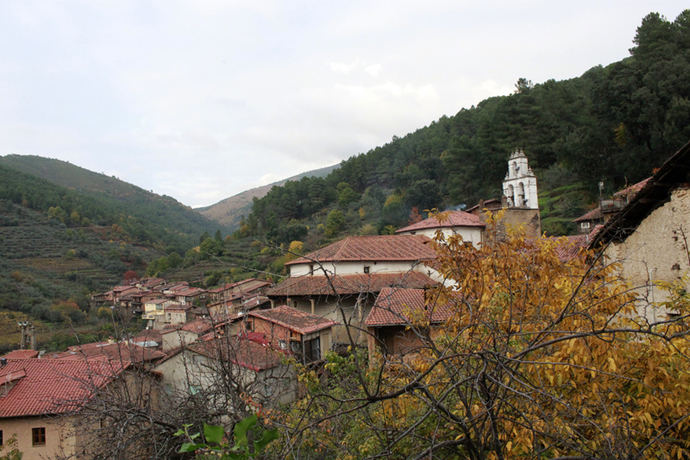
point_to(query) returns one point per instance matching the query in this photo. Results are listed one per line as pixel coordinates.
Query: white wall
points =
(469, 234)
(351, 268)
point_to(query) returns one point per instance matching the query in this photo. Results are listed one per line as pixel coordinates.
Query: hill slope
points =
(145, 216)
(229, 211)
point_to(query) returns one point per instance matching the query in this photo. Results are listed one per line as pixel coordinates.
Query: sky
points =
(203, 99)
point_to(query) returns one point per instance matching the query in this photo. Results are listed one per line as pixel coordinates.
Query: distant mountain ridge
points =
(229, 211)
(75, 177)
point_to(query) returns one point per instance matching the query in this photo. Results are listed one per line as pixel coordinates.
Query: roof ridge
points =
(345, 243)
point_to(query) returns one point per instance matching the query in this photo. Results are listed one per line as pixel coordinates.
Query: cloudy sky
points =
(201, 99)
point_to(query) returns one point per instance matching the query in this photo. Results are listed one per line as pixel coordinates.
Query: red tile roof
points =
(118, 352)
(570, 246)
(158, 300)
(594, 214)
(254, 302)
(348, 284)
(293, 319)
(49, 386)
(198, 326)
(374, 248)
(630, 191)
(189, 291)
(393, 305)
(445, 219)
(240, 284)
(242, 351)
(148, 335)
(21, 354)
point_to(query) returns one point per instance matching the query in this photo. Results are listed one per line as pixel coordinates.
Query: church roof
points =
(445, 219)
(372, 248)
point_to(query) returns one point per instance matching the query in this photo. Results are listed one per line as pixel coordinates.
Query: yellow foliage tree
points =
(541, 358)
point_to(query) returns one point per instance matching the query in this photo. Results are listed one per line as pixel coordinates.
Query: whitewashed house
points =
(341, 281)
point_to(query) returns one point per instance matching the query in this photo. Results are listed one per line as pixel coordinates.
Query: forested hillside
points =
(613, 123)
(78, 197)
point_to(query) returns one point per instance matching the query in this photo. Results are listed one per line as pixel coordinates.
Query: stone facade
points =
(657, 250)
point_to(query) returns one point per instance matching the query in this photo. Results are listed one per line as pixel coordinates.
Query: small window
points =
(283, 344)
(584, 224)
(38, 436)
(249, 325)
(311, 269)
(366, 269)
(0, 438)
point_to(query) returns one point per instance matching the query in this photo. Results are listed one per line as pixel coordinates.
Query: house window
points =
(283, 344)
(38, 436)
(0, 438)
(366, 269)
(311, 269)
(584, 224)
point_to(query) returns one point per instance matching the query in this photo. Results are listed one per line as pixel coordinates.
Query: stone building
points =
(649, 237)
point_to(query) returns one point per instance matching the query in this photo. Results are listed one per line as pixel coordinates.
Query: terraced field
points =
(42, 261)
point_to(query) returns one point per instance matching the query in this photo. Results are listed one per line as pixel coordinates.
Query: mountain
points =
(144, 216)
(229, 211)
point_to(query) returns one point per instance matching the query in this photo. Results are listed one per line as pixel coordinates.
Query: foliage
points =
(538, 359)
(334, 222)
(9, 450)
(215, 446)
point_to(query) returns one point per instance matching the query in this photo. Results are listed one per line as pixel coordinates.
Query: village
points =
(357, 293)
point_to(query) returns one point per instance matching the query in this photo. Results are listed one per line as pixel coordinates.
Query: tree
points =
(130, 275)
(334, 222)
(539, 358)
(346, 195)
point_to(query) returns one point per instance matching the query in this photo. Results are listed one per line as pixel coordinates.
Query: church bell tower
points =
(520, 183)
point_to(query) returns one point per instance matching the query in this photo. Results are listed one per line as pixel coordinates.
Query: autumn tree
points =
(540, 358)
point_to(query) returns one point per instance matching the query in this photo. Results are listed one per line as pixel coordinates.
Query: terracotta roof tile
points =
(376, 247)
(49, 386)
(198, 326)
(293, 319)
(348, 284)
(570, 246)
(148, 335)
(594, 214)
(189, 291)
(445, 219)
(240, 285)
(21, 354)
(630, 191)
(393, 305)
(242, 351)
(118, 352)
